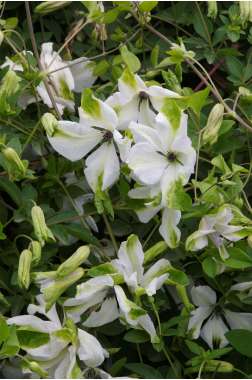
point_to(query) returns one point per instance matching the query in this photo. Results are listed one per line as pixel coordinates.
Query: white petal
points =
(73, 140)
(130, 85)
(107, 313)
(32, 322)
(82, 73)
(146, 323)
(238, 320)
(123, 144)
(48, 351)
(105, 117)
(203, 296)
(102, 163)
(158, 94)
(155, 276)
(90, 350)
(197, 240)
(144, 134)
(131, 258)
(147, 165)
(213, 332)
(66, 364)
(147, 213)
(168, 229)
(197, 318)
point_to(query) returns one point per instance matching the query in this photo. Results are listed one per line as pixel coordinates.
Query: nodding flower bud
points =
(24, 267)
(74, 261)
(154, 251)
(50, 123)
(1, 37)
(52, 287)
(212, 9)
(214, 121)
(13, 159)
(35, 367)
(50, 6)
(35, 247)
(245, 11)
(42, 232)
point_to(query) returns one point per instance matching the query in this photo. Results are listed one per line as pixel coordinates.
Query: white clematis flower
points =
(96, 292)
(130, 265)
(152, 197)
(214, 329)
(96, 129)
(136, 102)
(217, 229)
(64, 77)
(162, 155)
(58, 356)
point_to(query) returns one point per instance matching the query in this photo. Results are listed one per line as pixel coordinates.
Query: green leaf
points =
(144, 370)
(130, 59)
(177, 198)
(194, 348)
(178, 277)
(10, 346)
(11, 189)
(4, 330)
(197, 100)
(147, 6)
(154, 55)
(81, 233)
(173, 112)
(241, 341)
(238, 259)
(210, 267)
(136, 336)
(31, 339)
(117, 366)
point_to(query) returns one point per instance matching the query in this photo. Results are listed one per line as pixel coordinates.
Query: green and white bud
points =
(212, 9)
(42, 232)
(215, 118)
(245, 11)
(24, 267)
(155, 251)
(35, 247)
(35, 367)
(50, 6)
(50, 123)
(52, 287)
(13, 159)
(1, 37)
(74, 261)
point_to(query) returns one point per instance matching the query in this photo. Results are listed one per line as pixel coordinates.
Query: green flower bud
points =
(212, 9)
(245, 11)
(58, 286)
(155, 251)
(215, 118)
(218, 366)
(13, 159)
(1, 37)
(24, 267)
(50, 6)
(35, 367)
(35, 247)
(50, 123)
(249, 240)
(73, 262)
(41, 230)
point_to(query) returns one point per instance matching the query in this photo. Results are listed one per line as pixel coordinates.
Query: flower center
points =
(143, 95)
(171, 156)
(108, 135)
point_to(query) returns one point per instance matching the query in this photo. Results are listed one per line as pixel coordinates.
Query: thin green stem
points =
(110, 232)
